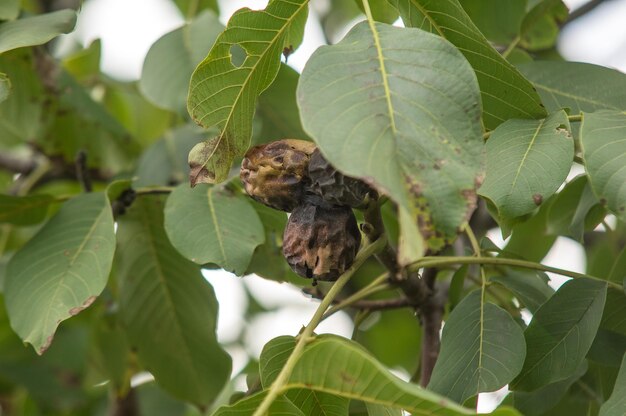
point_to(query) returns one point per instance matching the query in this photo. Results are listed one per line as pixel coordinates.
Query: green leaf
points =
(349, 371)
(21, 113)
(572, 208)
(165, 161)
(560, 333)
(9, 9)
(577, 86)
(543, 399)
(529, 287)
(540, 27)
(223, 94)
(411, 130)
(278, 108)
(246, 407)
(603, 143)
(499, 22)
(61, 270)
(5, 86)
(618, 271)
(35, 30)
(616, 405)
(507, 95)
(85, 63)
(212, 225)
(166, 85)
(168, 308)
(275, 354)
(482, 349)
(25, 210)
(527, 161)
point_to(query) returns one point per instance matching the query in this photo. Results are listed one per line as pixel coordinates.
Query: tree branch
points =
(583, 10)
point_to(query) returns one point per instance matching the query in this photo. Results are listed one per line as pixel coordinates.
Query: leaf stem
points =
(511, 46)
(305, 336)
(377, 285)
(446, 261)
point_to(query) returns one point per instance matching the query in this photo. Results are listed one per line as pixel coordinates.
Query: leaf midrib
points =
(252, 70)
(567, 334)
(163, 284)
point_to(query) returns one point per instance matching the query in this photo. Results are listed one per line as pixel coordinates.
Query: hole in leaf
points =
(237, 55)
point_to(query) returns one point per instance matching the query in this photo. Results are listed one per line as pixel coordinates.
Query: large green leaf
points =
(61, 270)
(527, 161)
(166, 85)
(35, 30)
(505, 95)
(575, 85)
(189, 8)
(168, 308)
(399, 108)
(222, 93)
(482, 349)
(275, 354)
(380, 410)
(341, 367)
(350, 371)
(603, 142)
(530, 239)
(213, 225)
(616, 405)
(543, 399)
(560, 333)
(24, 210)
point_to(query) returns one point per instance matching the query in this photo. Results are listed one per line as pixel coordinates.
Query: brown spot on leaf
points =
(76, 310)
(46, 345)
(66, 253)
(603, 201)
(347, 377)
(537, 199)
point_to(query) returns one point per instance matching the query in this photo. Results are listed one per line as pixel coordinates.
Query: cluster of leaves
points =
(467, 105)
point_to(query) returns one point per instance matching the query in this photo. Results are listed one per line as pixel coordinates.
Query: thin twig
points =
(82, 173)
(583, 10)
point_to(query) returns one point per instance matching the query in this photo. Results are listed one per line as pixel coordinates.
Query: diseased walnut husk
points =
(276, 173)
(333, 186)
(321, 242)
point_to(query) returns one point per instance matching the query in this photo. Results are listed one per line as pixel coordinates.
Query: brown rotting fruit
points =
(276, 173)
(321, 242)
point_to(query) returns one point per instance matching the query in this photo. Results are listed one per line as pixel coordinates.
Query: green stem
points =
(377, 285)
(446, 261)
(511, 46)
(277, 386)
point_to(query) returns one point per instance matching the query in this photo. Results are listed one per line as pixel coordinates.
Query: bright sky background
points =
(128, 29)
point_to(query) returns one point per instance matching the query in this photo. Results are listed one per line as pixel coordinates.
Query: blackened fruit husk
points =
(333, 186)
(321, 242)
(276, 173)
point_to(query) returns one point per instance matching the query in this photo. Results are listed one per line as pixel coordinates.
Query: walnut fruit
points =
(276, 173)
(333, 186)
(321, 242)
